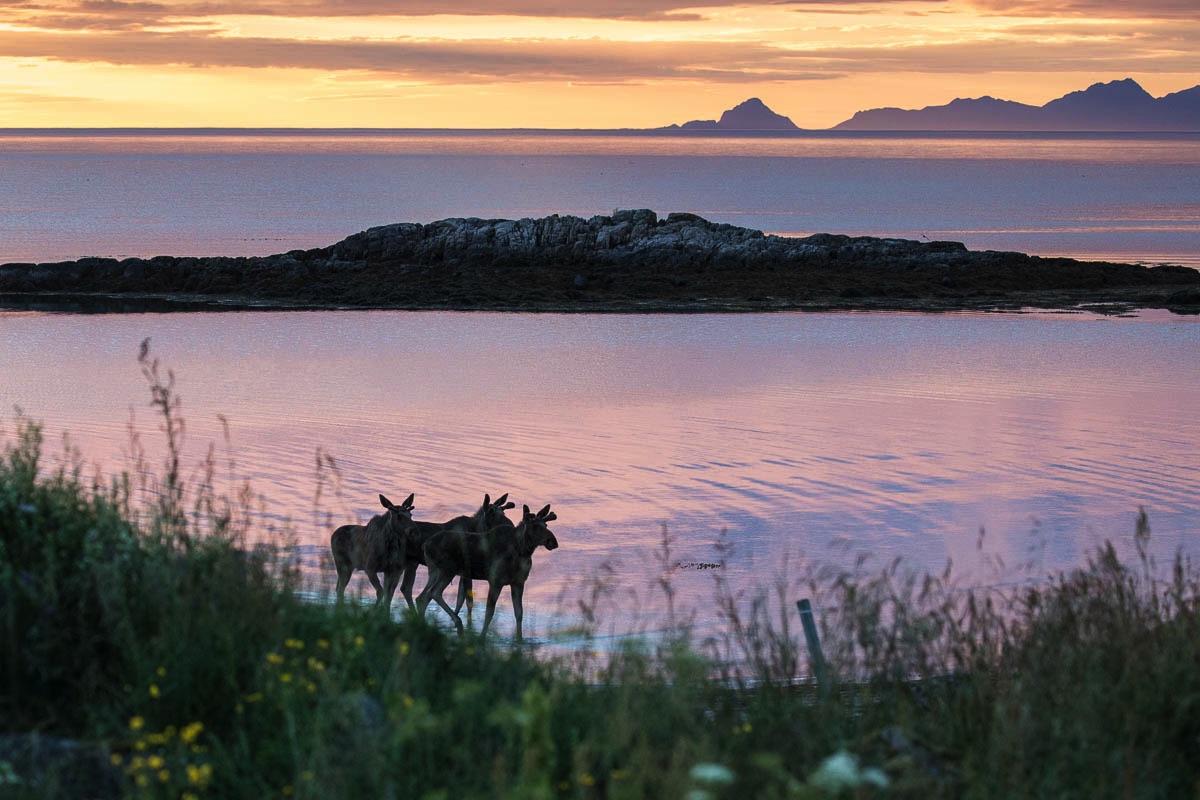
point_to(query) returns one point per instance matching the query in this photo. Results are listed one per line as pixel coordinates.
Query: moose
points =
(501, 556)
(489, 515)
(379, 546)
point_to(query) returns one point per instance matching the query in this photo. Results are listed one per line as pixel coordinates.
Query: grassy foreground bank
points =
(146, 651)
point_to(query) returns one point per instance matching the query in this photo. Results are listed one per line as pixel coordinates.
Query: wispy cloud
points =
(296, 48)
(1095, 55)
(590, 60)
(121, 14)
(1029, 47)
(1107, 9)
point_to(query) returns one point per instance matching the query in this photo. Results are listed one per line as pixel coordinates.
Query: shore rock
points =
(629, 260)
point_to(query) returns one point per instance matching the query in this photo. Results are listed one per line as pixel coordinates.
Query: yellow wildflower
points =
(164, 775)
(294, 644)
(154, 692)
(274, 658)
(137, 723)
(190, 732)
(155, 762)
(199, 775)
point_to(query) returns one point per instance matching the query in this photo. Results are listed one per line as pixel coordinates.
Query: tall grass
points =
(148, 650)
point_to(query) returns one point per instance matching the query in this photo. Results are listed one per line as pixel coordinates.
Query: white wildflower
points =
(713, 774)
(841, 771)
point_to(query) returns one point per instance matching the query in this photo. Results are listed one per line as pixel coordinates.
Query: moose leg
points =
(493, 596)
(378, 586)
(344, 572)
(517, 590)
(391, 579)
(433, 591)
(438, 589)
(427, 593)
(464, 595)
(406, 586)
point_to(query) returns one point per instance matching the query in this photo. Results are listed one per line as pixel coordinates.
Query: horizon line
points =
(665, 130)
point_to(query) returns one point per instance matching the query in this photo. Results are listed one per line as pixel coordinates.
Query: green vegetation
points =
(146, 651)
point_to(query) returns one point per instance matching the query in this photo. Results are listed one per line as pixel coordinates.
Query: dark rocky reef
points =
(629, 261)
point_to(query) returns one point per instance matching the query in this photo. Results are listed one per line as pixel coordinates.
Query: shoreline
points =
(1107, 304)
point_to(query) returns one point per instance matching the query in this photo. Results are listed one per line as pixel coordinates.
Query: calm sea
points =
(67, 194)
(1008, 444)
(1011, 444)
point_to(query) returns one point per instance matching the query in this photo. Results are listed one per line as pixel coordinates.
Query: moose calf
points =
(379, 546)
(501, 556)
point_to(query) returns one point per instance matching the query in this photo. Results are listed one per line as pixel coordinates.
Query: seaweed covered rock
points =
(628, 260)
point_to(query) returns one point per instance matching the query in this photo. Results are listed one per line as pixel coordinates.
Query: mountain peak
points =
(754, 105)
(749, 115)
(1123, 91)
(753, 115)
(1120, 105)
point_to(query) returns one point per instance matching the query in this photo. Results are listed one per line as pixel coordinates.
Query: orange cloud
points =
(845, 55)
(1108, 9)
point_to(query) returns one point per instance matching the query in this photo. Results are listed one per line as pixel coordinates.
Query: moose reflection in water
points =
(502, 556)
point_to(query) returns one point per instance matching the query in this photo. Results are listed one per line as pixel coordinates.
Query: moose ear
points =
(550, 517)
(408, 502)
(508, 505)
(383, 501)
(545, 510)
(500, 500)
(487, 499)
(525, 511)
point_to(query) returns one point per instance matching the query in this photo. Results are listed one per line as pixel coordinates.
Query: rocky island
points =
(628, 261)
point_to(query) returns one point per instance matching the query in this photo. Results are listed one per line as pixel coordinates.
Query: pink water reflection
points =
(807, 439)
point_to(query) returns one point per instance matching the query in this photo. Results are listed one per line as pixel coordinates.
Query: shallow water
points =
(803, 439)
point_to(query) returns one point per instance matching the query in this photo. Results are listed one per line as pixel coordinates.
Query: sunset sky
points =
(563, 63)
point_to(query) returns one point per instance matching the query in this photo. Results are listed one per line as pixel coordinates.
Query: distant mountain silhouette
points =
(752, 115)
(1115, 106)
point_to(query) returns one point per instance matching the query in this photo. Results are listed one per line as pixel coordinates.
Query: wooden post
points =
(816, 657)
